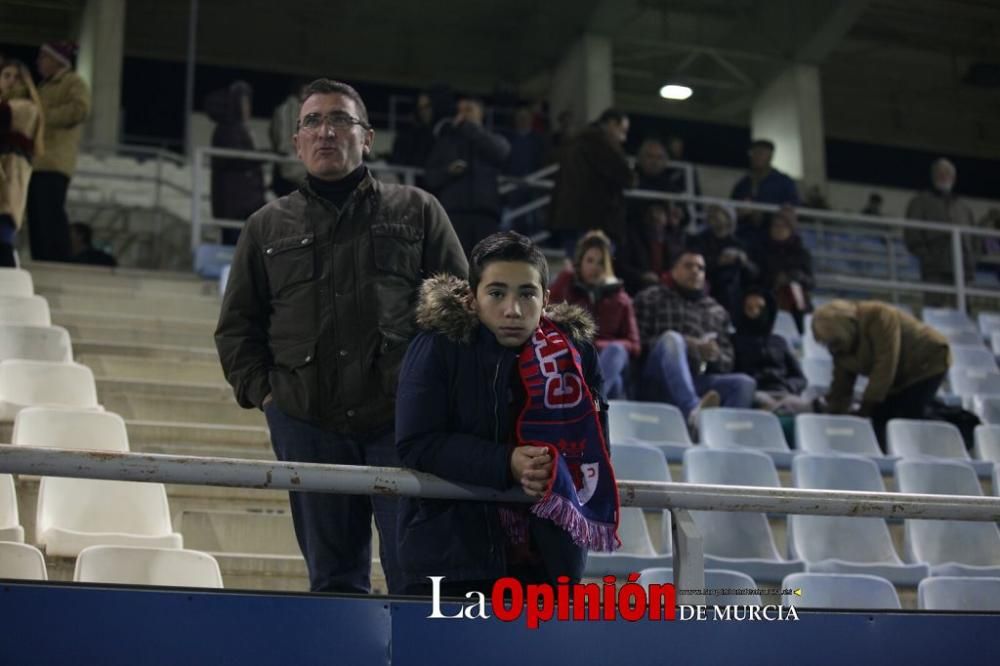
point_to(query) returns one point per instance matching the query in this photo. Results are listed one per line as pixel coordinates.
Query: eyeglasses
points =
(339, 121)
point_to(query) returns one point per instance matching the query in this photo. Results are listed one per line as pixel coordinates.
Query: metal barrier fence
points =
(678, 498)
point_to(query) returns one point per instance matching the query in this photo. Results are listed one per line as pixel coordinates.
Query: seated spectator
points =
(466, 414)
(767, 357)
(591, 284)
(729, 267)
(81, 240)
(237, 184)
(763, 184)
(685, 341)
(644, 256)
(787, 266)
(904, 359)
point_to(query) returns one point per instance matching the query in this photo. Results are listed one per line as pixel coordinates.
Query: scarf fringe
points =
(585, 533)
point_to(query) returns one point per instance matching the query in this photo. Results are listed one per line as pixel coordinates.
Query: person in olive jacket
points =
(316, 318)
(904, 359)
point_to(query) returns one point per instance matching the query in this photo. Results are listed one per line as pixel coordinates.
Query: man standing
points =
(65, 106)
(764, 184)
(317, 316)
(933, 248)
(685, 340)
(462, 171)
(590, 185)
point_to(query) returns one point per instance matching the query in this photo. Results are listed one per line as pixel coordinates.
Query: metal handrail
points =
(353, 480)
(678, 498)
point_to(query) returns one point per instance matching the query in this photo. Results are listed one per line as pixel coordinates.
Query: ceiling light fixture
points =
(672, 91)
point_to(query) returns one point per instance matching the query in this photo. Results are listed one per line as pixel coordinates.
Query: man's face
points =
(689, 272)
(509, 301)
(8, 76)
(760, 157)
(943, 176)
(328, 153)
(719, 222)
(47, 65)
(652, 158)
(617, 130)
(425, 109)
(781, 229)
(753, 306)
(470, 111)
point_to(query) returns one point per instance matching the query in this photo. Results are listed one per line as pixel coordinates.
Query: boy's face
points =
(509, 301)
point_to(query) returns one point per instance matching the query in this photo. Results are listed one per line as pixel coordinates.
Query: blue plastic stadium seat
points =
(652, 423)
(843, 591)
(951, 547)
(844, 544)
(740, 541)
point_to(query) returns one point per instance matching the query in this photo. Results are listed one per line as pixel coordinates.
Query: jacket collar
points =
(442, 308)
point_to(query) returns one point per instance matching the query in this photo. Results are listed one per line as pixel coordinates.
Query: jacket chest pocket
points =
(290, 261)
(397, 249)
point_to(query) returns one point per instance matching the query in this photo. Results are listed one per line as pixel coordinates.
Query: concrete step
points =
(115, 367)
(138, 351)
(131, 302)
(215, 392)
(139, 322)
(237, 531)
(116, 334)
(180, 409)
(57, 275)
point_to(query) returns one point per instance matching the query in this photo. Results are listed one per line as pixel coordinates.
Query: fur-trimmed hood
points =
(442, 308)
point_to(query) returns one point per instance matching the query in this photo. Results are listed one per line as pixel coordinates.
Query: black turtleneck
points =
(337, 191)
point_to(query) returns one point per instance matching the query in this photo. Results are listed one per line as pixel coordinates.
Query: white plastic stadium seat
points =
(910, 438)
(70, 429)
(951, 547)
(811, 348)
(845, 544)
(968, 382)
(987, 408)
(10, 520)
(988, 445)
(962, 336)
(844, 591)
(989, 322)
(784, 325)
(724, 428)
(40, 383)
(715, 579)
(16, 282)
(820, 433)
(637, 552)
(656, 424)
(35, 343)
(946, 317)
(76, 513)
(959, 594)
(21, 561)
(739, 541)
(130, 565)
(28, 310)
(973, 356)
(641, 462)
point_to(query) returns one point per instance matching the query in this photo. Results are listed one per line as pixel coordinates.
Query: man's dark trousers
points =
(334, 531)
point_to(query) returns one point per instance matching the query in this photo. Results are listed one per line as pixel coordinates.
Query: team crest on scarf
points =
(560, 414)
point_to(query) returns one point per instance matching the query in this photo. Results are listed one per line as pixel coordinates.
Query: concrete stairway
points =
(147, 336)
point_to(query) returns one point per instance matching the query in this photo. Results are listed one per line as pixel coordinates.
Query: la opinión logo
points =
(582, 602)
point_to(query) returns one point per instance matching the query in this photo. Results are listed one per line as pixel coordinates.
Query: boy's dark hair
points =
(506, 246)
(330, 87)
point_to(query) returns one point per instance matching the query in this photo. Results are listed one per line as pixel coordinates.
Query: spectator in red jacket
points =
(591, 284)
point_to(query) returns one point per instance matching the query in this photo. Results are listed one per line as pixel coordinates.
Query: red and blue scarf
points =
(560, 413)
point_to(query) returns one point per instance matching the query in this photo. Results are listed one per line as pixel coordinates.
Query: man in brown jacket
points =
(65, 106)
(593, 174)
(904, 359)
(316, 318)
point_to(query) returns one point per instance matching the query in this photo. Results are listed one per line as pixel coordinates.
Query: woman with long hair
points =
(591, 284)
(21, 128)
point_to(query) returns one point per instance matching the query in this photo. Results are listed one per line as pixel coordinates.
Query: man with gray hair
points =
(934, 248)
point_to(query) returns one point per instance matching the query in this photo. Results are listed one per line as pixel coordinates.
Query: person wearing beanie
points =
(688, 355)
(65, 102)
